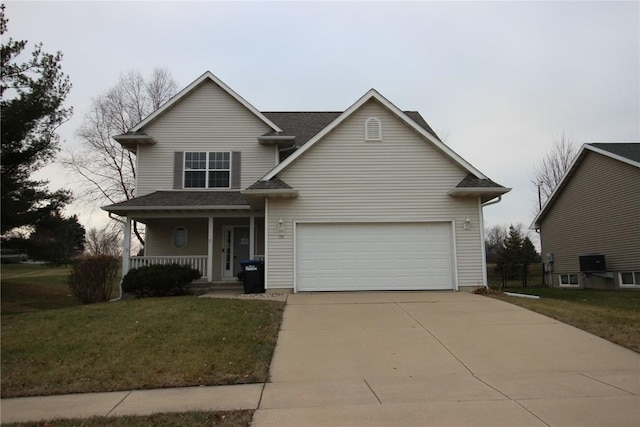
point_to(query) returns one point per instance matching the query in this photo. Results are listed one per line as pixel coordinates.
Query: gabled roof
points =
(304, 125)
(373, 94)
(628, 153)
(207, 76)
(625, 152)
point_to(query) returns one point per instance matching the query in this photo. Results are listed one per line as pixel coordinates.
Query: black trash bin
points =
(253, 279)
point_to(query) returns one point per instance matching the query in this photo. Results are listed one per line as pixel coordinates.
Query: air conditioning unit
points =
(592, 263)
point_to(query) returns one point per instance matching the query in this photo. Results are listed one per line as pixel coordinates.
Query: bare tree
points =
(105, 241)
(101, 162)
(548, 172)
(493, 240)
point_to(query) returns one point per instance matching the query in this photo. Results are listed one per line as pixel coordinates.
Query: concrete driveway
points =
(441, 359)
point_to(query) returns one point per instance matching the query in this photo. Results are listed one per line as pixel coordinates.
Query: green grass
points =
(186, 419)
(534, 277)
(611, 314)
(138, 344)
(34, 287)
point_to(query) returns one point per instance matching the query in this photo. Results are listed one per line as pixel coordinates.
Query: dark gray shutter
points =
(235, 170)
(178, 163)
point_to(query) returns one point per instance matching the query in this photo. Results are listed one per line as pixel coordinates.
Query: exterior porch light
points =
(467, 224)
(280, 226)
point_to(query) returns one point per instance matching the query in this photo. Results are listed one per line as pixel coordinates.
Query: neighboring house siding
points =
(598, 211)
(401, 178)
(208, 119)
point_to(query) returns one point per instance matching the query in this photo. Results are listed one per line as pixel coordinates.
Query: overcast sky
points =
(499, 81)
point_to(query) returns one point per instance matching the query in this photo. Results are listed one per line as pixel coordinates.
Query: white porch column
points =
(252, 239)
(210, 251)
(126, 247)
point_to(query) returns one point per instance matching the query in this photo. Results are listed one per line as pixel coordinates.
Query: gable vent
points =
(372, 129)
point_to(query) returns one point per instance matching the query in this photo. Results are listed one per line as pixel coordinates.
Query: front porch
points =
(212, 231)
(199, 262)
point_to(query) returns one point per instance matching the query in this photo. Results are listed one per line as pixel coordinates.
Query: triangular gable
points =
(373, 94)
(567, 176)
(184, 92)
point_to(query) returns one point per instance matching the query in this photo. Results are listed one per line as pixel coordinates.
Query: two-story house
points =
(590, 225)
(364, 199)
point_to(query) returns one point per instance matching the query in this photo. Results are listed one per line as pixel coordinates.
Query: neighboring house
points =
(365, 199)
(590, 226)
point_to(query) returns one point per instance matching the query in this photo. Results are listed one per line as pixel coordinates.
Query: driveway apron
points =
(441, 358)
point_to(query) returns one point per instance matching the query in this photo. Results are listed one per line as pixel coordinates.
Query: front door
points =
(235, 249)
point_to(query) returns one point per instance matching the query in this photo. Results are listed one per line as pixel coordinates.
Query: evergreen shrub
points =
(160, 280)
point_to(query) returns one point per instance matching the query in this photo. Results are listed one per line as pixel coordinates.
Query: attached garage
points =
(374, 256)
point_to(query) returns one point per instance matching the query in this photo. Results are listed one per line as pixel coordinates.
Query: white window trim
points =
(569, 285)
(367, 135)
(206, 170)
(186, 237)
(627, 285)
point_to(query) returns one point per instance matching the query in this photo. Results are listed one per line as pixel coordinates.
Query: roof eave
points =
(477, 191)
(283, 193)
(131, 142)
(116, 209)
(275, 140)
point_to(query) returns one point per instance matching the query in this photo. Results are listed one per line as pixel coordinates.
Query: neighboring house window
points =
(372, 129)
(207, 170)
(569, 280)
(180, 237)
(629, 279)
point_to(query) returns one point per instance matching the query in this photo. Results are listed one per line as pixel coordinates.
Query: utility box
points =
(592, 263)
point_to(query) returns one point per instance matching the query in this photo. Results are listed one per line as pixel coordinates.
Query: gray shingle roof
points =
(629, 150)
(273, 184)
(471, 181)
(304, 125)
(182, 199)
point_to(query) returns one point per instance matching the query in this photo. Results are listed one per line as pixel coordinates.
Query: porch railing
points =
(199, 262)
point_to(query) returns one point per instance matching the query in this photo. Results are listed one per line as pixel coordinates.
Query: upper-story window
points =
(372, 129)
(207, 169)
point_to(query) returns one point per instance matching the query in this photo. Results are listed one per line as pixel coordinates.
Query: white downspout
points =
(484, 252)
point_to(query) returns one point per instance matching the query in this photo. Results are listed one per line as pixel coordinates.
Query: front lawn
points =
(613, 315)
(34, 287)
(138, 344)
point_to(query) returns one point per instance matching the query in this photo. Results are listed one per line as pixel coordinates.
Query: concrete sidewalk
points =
(137, 402)
(404, 358)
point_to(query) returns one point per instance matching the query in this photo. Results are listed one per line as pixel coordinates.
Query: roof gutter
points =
(493, 202)
(126, 209)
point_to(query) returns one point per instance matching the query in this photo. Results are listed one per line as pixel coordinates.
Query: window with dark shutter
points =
(206, 169)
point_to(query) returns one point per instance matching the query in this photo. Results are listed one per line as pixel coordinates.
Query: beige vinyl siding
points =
(159, 237)
(597, 212)
(209, 119)
(401, 178)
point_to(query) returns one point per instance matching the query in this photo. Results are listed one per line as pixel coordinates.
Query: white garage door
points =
(373, 256)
